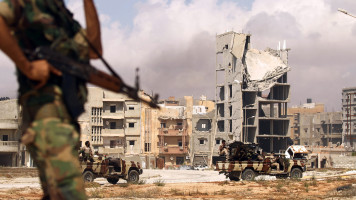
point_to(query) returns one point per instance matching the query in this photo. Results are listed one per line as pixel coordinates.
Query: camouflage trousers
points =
(52, 141)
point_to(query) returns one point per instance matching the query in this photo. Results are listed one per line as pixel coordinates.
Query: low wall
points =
(341, 161)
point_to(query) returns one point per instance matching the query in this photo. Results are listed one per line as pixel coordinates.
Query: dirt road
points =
(187, 184)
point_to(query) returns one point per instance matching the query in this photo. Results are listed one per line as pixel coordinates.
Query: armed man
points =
(87, 152)
(224, 150)
(50, 100)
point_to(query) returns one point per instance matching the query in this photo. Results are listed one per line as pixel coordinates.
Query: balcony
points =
(9, 146)
(9, 124)
(117, 115)
(173, 150)
(97, 142)
(132, 114)
(175, 131)
(113, 133)
(116, 150)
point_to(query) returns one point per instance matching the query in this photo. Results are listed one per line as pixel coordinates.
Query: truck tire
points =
(112, 179)
(248, 175)
(234, 176)
(296, 173)
(133, 176)
(88, 176)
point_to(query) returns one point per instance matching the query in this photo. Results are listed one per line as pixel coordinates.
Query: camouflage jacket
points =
(37, 23)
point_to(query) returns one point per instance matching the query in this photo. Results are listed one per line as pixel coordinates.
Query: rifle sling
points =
(70, 95)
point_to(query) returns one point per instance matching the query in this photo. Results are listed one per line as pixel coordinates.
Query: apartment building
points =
(202, 140)
(149, 137)
(294, 113)
(349, 116)
(320, 129)
(251, 93)
(174, 132)
(116, 125)
(111, 123)
(12, 153)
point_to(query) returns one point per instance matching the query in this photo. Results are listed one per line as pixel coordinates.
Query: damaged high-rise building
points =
(251, 93)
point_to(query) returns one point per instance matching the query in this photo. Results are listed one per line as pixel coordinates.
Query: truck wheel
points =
(234, 176)
(88, 176)
(248, 175)
(113, 179)
(133, 177)
(296, 173)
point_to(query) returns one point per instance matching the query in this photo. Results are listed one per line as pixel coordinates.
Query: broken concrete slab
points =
(263, 69)
(238, 45)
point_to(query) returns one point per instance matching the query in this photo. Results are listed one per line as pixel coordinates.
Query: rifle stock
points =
(90, 74)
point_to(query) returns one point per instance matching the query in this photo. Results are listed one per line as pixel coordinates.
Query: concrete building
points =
(320, 129)
(251, 93)
(175, 131)
(112, 123)
(202, 140)
(149, 135)
(12, 153)
(294, 113)
(118, 126)
(349, 117)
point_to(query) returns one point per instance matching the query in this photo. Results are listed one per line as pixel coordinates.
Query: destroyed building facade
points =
(251, 93)
(349, 117)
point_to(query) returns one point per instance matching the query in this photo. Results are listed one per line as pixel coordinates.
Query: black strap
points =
(70, 95)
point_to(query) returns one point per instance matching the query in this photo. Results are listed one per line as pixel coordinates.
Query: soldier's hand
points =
(40, 70)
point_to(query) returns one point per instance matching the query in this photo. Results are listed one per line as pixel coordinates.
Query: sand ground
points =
(22, 183)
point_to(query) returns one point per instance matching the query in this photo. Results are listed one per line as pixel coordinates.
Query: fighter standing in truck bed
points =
(224, 150)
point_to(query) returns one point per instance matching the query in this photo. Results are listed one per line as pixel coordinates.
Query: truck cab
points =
(296, 152)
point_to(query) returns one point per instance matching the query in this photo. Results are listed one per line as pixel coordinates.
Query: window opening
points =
(112, 109)
(180, 143)
(147, 147)
(112, 125)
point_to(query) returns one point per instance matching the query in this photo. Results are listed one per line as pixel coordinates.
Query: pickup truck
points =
(112, 169)
(273, 165)
(249, 170)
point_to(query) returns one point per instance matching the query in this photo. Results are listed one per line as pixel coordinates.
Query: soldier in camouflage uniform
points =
(51, 132)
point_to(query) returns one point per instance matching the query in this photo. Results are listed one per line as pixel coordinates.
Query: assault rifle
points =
(90, 74)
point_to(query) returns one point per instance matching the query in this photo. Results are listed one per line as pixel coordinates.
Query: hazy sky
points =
(173, 43)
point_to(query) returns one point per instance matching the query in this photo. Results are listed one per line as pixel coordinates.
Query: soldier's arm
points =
(36, 70)
(93, 27)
